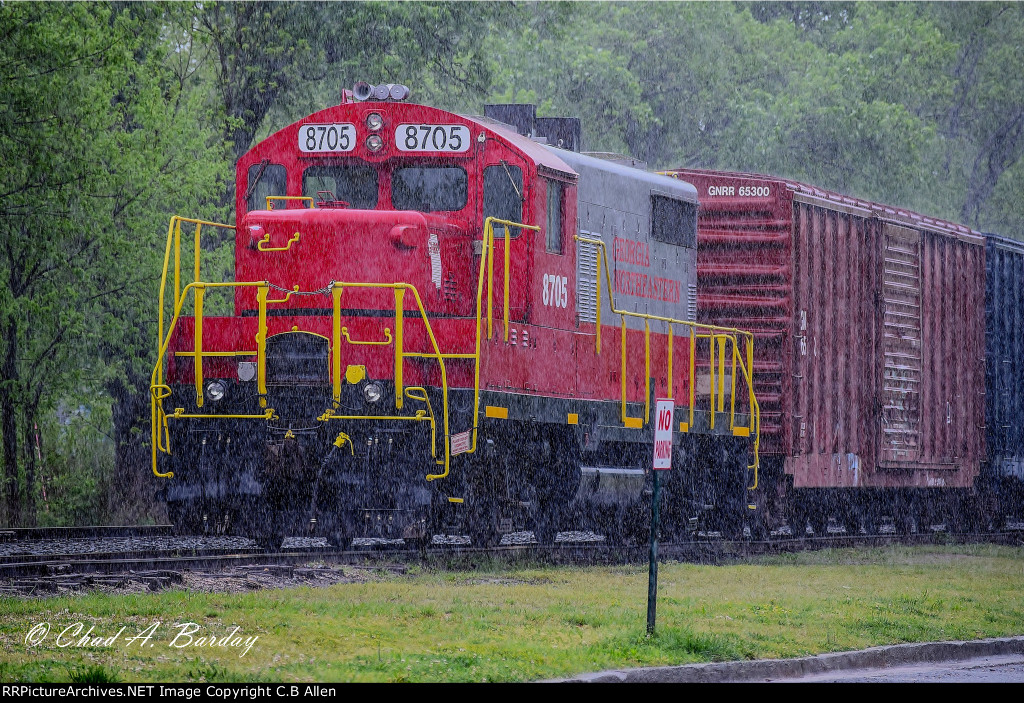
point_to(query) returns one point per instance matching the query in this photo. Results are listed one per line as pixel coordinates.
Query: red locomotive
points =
(442, 321)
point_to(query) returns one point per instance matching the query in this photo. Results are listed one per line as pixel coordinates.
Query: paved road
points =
(1003, 669)
(976, 661)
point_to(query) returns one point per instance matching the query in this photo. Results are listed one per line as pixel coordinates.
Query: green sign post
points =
(662, 462)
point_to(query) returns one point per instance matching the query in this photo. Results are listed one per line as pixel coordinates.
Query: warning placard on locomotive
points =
(663, 434)
(461, 442)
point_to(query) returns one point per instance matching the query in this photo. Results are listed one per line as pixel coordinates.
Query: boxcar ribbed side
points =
(871, 318)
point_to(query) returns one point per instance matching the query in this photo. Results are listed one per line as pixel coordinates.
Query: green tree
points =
(93, 134)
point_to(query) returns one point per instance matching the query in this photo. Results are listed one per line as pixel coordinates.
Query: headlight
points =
(215, 390)
(374, 121)
(373, 392)
(374, 142)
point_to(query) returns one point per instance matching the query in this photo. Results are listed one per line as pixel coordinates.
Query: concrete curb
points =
(873, 658)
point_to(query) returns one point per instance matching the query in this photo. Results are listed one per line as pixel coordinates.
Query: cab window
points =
(503, 194)
(554, 233)
(356, 184)
(674, 221)
(265, 179)
(429, 188)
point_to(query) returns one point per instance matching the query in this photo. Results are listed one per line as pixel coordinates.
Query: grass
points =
(515, 624)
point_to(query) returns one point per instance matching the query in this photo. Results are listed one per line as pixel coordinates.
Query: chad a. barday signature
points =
(185, 635)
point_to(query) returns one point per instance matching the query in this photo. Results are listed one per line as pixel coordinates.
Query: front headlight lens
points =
(374, 121)
(374, 142)
(216, 390)
(373, 392)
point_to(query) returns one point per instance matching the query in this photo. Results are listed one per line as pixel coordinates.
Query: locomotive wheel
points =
(869, 520)
(340, 539)
(185, 517)
(757, 522)
(819, 522)
(271, 536)
(797, 520)
(851, 520)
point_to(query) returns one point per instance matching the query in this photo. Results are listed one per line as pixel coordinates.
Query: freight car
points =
(1004, 374)
(870, 367)
(437, 321)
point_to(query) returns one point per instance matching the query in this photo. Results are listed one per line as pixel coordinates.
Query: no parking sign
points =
(663, 434)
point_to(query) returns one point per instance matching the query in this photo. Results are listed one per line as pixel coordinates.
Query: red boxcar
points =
(870, 359)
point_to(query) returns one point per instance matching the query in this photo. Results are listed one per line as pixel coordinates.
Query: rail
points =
(718, 338)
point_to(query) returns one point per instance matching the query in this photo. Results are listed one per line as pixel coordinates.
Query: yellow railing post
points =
(597, 288)
(261, 343)
(647, 372)
(199, 228)
(399, 360)
(732, 384)
(712, 382)
(693, 375)
(750, 375)
(198, 343)
(489, 247)
(623, 379)
(508, 251)
(177, 259)
(336, 343)
(721, 375)
(670, 360)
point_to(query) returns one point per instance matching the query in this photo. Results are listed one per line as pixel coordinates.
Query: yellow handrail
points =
(713, 333)
(487, 263)
(489, 243)
(174, 239)
(286, 247)
(159, 391)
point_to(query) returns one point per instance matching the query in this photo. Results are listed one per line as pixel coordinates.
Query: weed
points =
(97, 673)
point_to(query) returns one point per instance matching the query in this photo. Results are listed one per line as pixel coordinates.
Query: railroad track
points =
(48, 573)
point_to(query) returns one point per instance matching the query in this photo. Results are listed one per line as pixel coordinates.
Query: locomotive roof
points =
(542, 155)
(657, 182)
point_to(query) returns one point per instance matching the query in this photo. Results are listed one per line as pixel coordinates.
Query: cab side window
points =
(674, 221)
(503, 194)
(265, 179)
(554, 231)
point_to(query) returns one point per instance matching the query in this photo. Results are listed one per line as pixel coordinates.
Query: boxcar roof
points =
(816, 195)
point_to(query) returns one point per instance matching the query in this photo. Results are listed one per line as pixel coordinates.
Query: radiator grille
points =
(586, 282)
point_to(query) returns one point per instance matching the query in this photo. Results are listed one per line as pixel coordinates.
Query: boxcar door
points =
(900, 440)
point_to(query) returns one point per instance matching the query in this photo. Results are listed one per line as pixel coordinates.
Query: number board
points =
(448, 138)
(329, 138)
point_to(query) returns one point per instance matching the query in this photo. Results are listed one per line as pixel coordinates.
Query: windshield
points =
(356, 184)
(429, 188)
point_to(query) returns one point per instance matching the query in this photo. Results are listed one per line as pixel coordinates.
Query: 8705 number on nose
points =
(450, 138)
